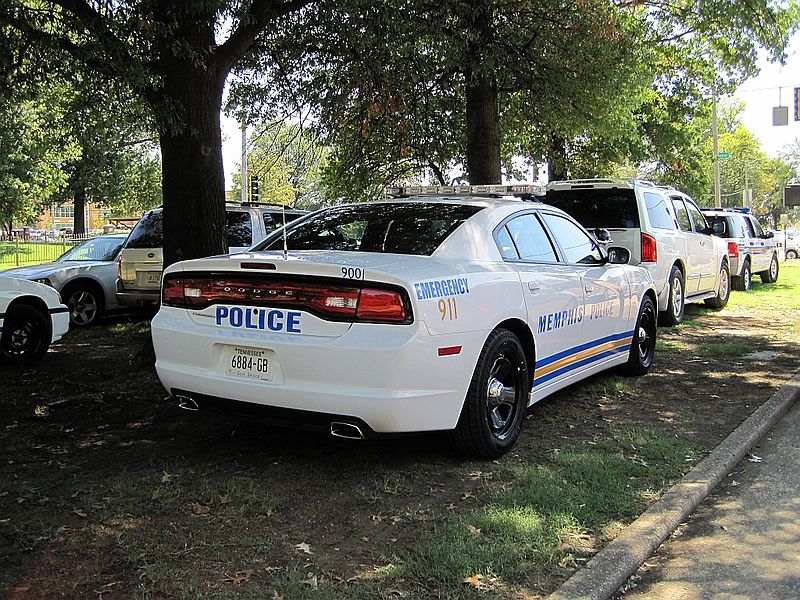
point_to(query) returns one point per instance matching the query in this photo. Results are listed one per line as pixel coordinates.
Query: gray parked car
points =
(85, 276)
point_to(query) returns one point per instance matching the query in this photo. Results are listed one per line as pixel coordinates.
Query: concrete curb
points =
(615, 563)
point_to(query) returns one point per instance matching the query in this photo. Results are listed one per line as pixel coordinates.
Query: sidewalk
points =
(737, 542)
(744, 540)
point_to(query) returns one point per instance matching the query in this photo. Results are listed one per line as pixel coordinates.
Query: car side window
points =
(747, 225)
(578, 246)
(756, 227)
(529, 240)
(658, 211)
(700, 224)
(270, 224)
(239, 229)
(681, 214)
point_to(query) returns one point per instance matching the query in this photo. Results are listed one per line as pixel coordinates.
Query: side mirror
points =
(769, 235)
(603, 236)
(618, 255)
(718, 227)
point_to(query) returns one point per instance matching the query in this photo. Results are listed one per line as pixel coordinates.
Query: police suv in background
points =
(750, 248)
(453, 310)
(141, 260)
(664, 231)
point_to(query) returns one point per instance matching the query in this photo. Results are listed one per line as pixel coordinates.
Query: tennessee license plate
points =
(247, 363)
(150, 277)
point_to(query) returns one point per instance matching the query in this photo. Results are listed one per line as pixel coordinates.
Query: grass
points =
(782, 293)
(724, 349)
(555, 514)
(29, 253)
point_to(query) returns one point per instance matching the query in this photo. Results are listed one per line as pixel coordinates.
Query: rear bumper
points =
(136, 298)
(388, 377)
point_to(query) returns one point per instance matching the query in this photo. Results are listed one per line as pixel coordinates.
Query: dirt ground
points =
(103, 477)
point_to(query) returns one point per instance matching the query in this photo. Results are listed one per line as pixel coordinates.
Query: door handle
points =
(534, 286)
(588, 289)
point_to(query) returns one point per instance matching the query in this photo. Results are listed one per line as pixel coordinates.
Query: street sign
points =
(797, 104)
(780, 116)
(724, 154)
(791, 195)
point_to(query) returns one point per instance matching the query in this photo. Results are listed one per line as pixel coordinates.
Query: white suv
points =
(664, 231)
(141, 260)
(750, 249)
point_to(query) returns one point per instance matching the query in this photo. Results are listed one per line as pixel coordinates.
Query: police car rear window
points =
(400, 228)
(609, 208)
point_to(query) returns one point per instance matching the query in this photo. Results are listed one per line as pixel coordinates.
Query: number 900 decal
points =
(352, 273)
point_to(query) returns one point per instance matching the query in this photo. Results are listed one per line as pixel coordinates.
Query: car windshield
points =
(611, 208)
(402, 228)
(99, 248)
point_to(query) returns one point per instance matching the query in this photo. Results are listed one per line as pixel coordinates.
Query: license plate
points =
(150, 277)
(247, 363)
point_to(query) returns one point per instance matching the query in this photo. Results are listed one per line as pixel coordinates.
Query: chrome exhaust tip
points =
(347, 431)
(187, 403)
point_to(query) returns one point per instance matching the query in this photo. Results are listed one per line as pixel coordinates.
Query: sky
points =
(774, 86)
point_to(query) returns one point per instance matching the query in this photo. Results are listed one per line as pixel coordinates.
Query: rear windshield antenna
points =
(285, 245)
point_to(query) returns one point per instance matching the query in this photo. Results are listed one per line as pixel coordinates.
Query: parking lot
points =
(108, 490)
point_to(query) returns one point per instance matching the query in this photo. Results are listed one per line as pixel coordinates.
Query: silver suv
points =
(664, 231)
(750, 248)
(141, 260)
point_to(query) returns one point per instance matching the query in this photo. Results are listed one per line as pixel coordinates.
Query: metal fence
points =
(20, 251)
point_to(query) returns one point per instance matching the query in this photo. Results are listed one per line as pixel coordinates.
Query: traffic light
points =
(254, 188)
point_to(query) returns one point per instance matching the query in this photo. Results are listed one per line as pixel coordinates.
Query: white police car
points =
(31, 318)
(435, 312)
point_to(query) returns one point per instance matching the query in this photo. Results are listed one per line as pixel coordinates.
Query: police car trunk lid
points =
(319, 293)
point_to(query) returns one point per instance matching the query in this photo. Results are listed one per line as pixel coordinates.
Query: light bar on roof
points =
(447, 190)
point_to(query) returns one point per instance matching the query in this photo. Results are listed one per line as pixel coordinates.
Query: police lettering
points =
(240, 317)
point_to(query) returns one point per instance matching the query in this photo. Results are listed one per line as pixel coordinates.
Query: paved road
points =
(744, 539)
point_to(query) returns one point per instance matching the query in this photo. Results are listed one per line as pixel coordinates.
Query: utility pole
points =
(747, 195)
(244, 162)
(715, 137)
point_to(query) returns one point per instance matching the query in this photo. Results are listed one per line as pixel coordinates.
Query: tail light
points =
(733, 250)
(649, 249)
(326, 300)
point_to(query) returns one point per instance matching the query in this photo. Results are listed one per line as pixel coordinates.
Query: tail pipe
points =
(346, 430)
(187, 403)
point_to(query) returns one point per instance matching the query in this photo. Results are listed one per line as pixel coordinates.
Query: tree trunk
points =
(483, 119)
(557, 159)
(79, 212)
(483, 131)
(192, 171)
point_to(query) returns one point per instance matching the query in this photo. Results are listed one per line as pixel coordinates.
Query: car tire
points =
(791, 254)
(676, 305)
(643, 346)
(497, 399)
(771, 274)
(85, 303)
(742, 282)
(26, 335)
(719, 301)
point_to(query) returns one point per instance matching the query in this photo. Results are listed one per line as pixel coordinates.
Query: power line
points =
(766, 89)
